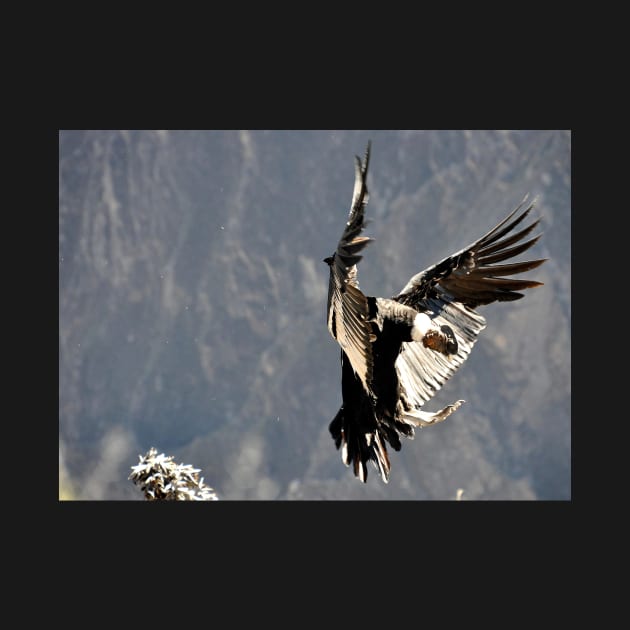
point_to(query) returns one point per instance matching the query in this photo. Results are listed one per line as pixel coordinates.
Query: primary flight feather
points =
(397, 353)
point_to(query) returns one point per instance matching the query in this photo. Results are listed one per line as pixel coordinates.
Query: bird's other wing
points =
(471, 276)
(449, 291)
(348, 309)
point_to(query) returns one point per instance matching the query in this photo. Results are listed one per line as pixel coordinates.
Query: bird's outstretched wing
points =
(471, 276)
(450, 290)
(348, 309)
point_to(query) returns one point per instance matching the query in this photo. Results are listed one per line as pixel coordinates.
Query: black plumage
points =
(397, 353)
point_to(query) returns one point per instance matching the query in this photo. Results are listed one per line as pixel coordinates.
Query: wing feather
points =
(468, 276)
(348, 308)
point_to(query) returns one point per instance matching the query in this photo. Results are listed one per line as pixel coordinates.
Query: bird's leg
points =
(424, 418)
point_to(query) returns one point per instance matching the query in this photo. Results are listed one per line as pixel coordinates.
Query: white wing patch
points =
(423, 371)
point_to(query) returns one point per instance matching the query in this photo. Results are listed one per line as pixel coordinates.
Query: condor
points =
(397, 353)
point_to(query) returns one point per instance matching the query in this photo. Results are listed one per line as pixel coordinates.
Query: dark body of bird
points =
(397, 353)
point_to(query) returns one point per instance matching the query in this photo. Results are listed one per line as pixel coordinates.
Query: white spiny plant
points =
(162, 480)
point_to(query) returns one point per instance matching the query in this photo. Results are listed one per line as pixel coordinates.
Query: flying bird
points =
(397, 353)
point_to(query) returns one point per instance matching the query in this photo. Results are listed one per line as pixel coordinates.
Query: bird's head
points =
(329, 260)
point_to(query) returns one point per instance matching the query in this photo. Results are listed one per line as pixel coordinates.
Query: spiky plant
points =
(161, 479)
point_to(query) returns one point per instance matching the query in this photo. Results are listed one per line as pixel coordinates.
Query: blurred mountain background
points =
(192, 309)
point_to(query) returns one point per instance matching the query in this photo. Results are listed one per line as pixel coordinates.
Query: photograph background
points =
(192, 309)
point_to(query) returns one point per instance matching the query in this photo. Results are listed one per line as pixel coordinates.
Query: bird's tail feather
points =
(360, 444)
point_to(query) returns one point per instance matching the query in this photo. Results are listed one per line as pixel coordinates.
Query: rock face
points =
(192, 308)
